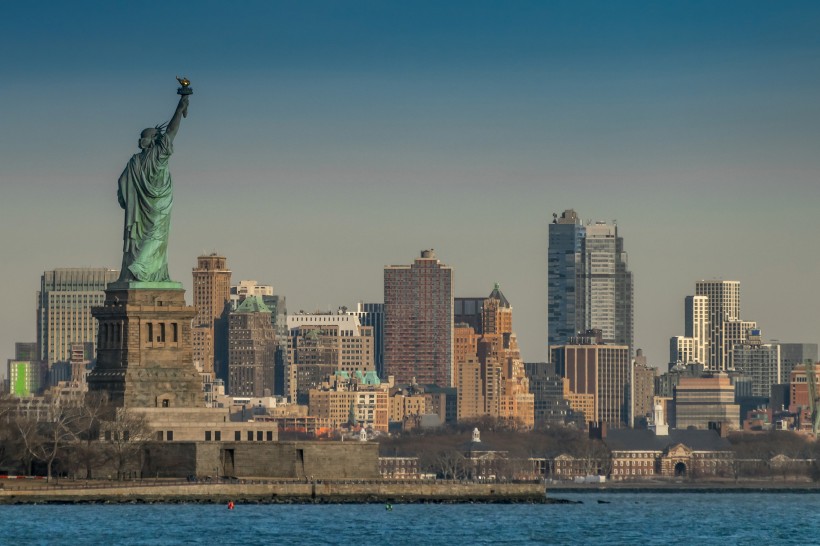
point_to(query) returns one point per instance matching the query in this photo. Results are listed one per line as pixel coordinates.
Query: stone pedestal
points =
(144, 351)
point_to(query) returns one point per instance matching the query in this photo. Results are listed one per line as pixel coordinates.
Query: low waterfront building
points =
(660, 452)
(205, 425)
(641, 454)
(569, 467)
(304, 461)
(399, 468)
(483, 462)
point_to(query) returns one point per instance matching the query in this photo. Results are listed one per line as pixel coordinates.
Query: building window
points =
(270, 435)
(237, 436)
(170, 435)
(250, 436)
(207, 435)
(218, 435)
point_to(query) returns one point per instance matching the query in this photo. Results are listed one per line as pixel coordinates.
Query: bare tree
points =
(451, 464)
(11, 448)
(43, 440)
(125, 436)
(30, 441)
(88, 450)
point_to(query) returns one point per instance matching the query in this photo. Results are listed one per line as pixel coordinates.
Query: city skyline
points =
(366, 133)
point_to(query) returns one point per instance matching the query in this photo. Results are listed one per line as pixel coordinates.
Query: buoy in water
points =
(388, 507)
(230, 505)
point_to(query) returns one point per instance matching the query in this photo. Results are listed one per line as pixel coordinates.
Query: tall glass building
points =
(589, 283)
(64, 305)
(372, 314)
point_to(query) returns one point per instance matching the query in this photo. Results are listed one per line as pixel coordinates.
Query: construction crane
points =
(814, 403)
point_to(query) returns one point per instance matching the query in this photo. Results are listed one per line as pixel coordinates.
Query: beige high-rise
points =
(489, 371)
(212, 296)
(724, 306)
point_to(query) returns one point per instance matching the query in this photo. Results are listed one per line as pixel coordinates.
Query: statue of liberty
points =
(146, 192)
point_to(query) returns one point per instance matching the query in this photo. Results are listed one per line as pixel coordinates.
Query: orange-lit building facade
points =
(418, 322)
(489, 370)
(368, 406)
(211, 295)
(599, 371)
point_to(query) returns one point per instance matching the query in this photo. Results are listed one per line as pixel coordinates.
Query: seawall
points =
(375, 492)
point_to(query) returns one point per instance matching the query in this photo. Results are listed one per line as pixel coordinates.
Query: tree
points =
(43, 440)
(87, 452)
(30, 441)
(125, 436)
(450, 464)
(11, 449)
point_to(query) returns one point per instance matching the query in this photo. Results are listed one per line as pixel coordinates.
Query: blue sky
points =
(328, 139)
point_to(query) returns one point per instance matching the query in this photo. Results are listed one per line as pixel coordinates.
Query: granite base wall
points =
(290, 460)
(284, 492)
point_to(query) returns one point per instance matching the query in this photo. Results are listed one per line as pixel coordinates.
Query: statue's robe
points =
(146, 193)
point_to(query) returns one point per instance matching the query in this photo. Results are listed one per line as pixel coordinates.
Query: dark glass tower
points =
(563, 264)
(589, 283)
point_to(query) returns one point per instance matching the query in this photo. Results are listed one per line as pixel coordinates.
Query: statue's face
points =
(147, 138)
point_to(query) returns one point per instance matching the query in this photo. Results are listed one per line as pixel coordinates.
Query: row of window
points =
(216, 435)
(157, 332)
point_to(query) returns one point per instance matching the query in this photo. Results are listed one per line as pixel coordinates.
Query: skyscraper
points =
(724, 306)
(642, 391)
(501, 388)
(418, 321)
(713, 327)
(372, 314)
(212, 296)
(599, 376)
(279, 318)
(697, 326)
(758, 361)
(64, 305)
(252, 349)
(589, 283)
(795, 354)
(563, 268)
(322, 344)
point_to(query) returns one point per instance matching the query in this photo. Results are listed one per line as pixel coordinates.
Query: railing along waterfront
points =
(67, 485)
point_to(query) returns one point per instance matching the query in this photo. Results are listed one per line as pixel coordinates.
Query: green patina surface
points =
(145, 192)
(253, 304)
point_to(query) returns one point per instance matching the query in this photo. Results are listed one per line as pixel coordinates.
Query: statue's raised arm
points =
(145, 192)
(179, 113)
(182, 107)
